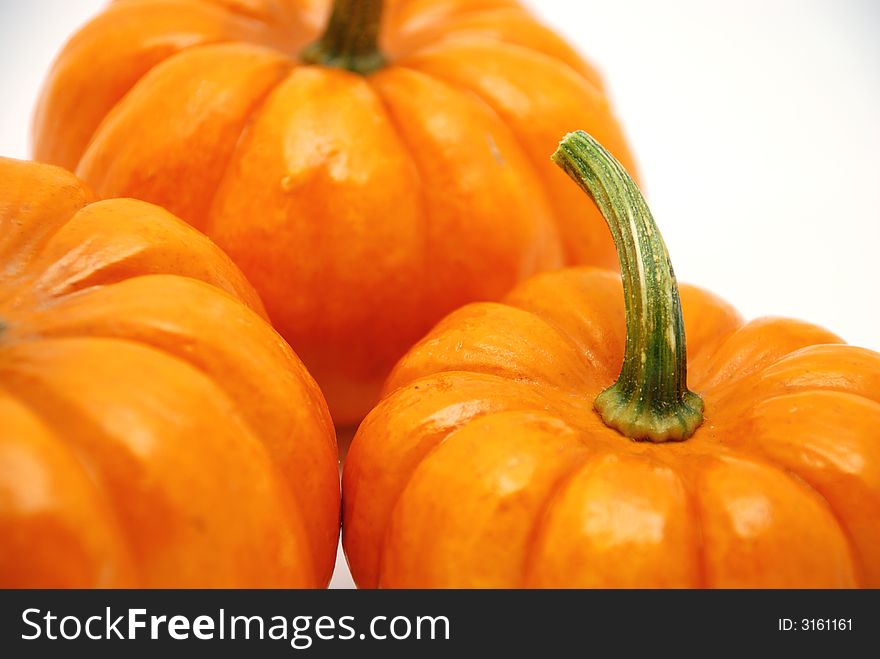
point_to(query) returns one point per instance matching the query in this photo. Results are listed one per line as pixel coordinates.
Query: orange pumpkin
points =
(364, 193)
(501, 457)
(156, 431)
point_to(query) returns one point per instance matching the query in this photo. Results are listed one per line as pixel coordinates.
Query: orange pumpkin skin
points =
(156, 431)
(486, 465)
(362, 208)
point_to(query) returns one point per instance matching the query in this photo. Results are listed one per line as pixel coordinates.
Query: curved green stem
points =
(351, 38)
(650, 400)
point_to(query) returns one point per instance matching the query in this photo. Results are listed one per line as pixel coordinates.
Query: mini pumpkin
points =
(365, 192)
(156, 431)
(501, 457)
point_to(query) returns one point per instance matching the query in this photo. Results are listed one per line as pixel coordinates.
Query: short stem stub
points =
(351, 38)
(650, 399)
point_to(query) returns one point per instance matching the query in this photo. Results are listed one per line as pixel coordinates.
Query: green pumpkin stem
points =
(351, 38)
(650, 399)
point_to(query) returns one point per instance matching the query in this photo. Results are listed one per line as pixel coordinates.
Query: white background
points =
(756, 125)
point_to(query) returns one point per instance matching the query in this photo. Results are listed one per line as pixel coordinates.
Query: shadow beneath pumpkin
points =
(341, 574)
(343, 441)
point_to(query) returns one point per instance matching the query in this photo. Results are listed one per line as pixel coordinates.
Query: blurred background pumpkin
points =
(369, 165)
(157, 432)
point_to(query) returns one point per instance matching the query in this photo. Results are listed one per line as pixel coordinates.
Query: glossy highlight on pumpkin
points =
(486, 464)
(156, 431)
(363, 208)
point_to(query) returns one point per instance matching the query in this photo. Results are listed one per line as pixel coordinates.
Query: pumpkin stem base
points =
(641, 421)
(351, 38)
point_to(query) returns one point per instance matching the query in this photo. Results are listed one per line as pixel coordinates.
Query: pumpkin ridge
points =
(605, 451)
(84, 293)
(783, 395)
(141, 341)
(86, 461)
(580, 311)
(85, 284)
(537, 524)
(811, 490)
(685, 470)
(441, 14)
(453, 39)
(717, 361)
(145, 216)
(534, 378)
(700, 467)
(757, 447)
(229, 47)
(446, 26)
(687, 466)
(65, 415)
(566, 338)
(556, 212)
(383, 540)
(768, 374)
(36, 246)
(528, 414)
(250, 118)
(441, 440)
(539, 252)
(838, 349)
(520, 13)
(438, 429)
(121, 99)
(548, 319)
(492, 108)
(98, 507)
(424, 206)
(238, 10)
(128, 11)
(517, 140)
(75, 166)
(190, 359)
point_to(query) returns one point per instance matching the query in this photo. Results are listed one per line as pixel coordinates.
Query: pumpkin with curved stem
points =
(505, 454)
(156, 431)
(364, 191)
